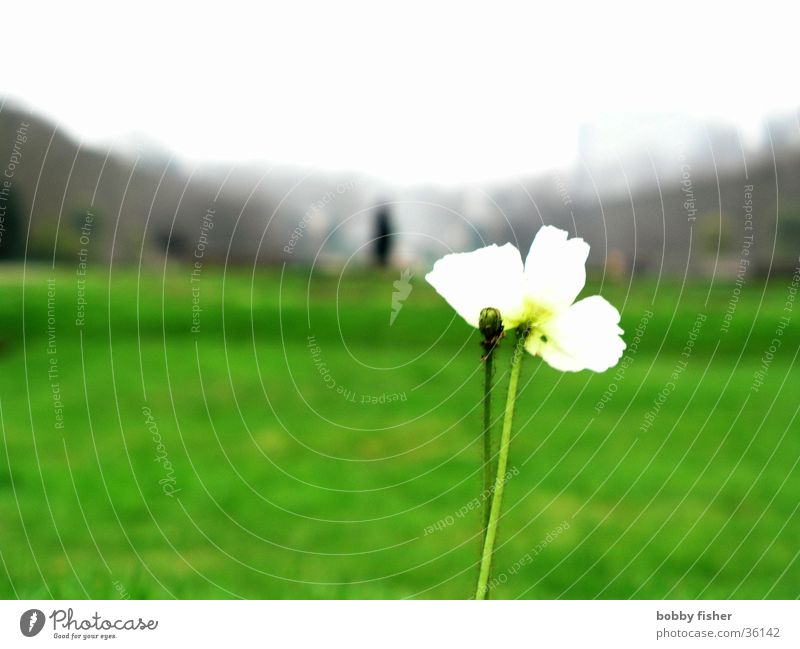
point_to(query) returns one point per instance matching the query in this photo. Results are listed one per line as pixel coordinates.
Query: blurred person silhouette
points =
(383, 236)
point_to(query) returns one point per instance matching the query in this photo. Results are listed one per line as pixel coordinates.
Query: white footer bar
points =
(382, 624)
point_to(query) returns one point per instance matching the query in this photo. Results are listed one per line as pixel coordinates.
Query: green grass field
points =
(344, 466)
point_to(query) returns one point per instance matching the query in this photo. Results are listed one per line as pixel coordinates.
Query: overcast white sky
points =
(410, 91)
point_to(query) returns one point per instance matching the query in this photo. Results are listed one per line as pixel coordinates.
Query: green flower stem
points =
(482, 591)
(488, 473)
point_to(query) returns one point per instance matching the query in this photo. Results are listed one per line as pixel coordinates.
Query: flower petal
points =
(585, 336)
(487, 277)
(555, 270)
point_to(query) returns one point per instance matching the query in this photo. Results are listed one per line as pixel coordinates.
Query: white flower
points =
(570, 336)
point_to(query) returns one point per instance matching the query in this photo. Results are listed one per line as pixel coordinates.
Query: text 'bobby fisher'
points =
(682, 616)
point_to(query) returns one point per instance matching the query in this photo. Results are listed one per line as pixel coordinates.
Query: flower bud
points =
(490, 323)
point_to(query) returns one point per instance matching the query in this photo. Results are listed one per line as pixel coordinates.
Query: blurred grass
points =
(290, 488)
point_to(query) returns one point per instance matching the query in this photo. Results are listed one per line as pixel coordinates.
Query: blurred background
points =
(223, 374)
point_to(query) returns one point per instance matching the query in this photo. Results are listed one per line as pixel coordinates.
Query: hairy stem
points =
(482, 590)
(488, 472)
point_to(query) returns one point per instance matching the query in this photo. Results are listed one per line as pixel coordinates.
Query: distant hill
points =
(146, 207)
